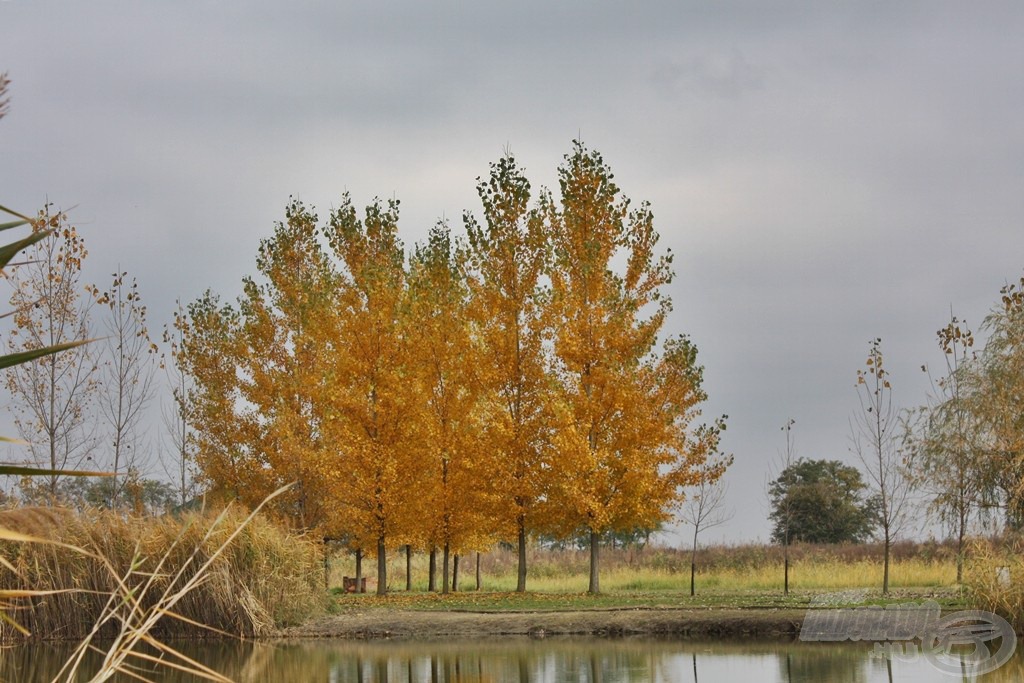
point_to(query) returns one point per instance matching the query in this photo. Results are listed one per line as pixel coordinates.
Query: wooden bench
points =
(348, 584)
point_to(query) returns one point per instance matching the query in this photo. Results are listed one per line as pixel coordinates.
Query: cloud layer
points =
(824, 175)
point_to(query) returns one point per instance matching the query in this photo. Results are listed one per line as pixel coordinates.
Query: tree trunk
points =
(521, 582)
(359, 570)
(785, 553)
(408, 568)
(455, 573)
(478, 571)
(961, 535)
(444, 573)
(382, 567)
(885, 563)
(960, 562)
(595, 557)
(327, 568)
(693, 562)
(432, 578)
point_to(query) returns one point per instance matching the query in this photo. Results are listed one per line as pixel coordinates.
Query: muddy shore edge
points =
(685, 623)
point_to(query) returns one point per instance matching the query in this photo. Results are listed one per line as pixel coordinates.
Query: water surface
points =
(521, 660)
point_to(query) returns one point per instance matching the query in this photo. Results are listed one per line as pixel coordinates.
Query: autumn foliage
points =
(473, 390)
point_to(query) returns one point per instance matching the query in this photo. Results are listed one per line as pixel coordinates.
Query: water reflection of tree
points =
(834, 664)
(522, 661)
(524, 664)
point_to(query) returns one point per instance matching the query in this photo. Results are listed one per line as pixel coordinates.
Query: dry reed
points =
(994, 576)
(265, 578)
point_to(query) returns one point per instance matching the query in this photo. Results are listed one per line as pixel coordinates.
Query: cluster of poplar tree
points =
(476, 389)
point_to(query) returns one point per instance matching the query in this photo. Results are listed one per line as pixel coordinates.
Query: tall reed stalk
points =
(994, 576)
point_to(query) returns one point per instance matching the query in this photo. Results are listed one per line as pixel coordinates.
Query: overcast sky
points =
(826, 173)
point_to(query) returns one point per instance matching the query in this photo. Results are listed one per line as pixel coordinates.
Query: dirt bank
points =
(413, 624)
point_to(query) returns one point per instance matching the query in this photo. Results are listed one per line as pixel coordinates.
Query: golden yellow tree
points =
(373, 392)
(625, 449)
(508, 254)
(447, 357)
(259, 373)
(227, 462)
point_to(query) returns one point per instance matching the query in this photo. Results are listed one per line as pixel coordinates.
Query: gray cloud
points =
(826, 174)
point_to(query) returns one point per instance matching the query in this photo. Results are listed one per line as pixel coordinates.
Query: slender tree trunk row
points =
(450, 581)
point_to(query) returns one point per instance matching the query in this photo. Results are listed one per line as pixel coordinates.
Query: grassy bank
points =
(473, 601)
(739, 593)
(265, 579)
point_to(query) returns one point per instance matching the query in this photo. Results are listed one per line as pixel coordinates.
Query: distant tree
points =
(945, 435)
(704, 508)
(783, 512)
(53, 396)
(875, 435)
(637, 537)
(126, 375)
(135, 493)
(825, 503)
(181, 467)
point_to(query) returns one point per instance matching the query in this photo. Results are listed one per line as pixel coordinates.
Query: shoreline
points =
(405, 624)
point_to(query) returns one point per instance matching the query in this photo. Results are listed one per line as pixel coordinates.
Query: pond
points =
(522, 660)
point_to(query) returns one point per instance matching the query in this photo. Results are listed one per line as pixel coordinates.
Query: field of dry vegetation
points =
(752, 567)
